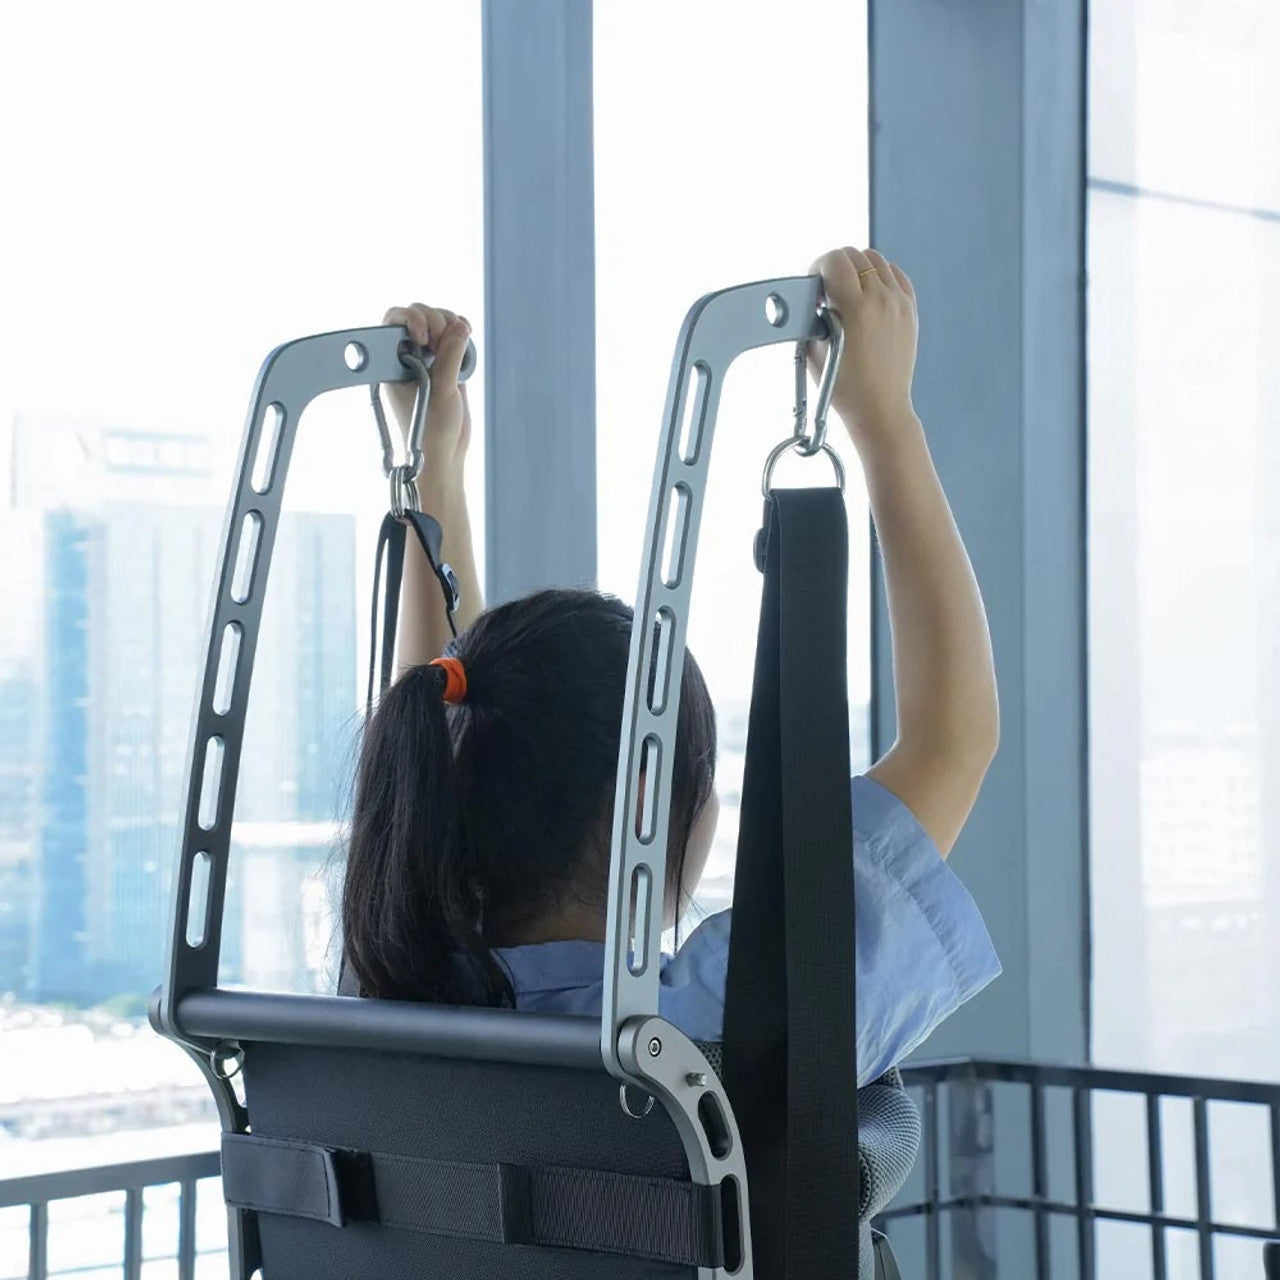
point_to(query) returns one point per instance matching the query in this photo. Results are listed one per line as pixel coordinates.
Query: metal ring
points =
(779, 449)
(627, 1105)
(404, 491)
(226, 1058)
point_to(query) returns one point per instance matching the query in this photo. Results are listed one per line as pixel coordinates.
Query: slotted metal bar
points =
(1082, 1115)
(1155, 1179)
(718, 329)
(1204, 1203)
(1040, 1182)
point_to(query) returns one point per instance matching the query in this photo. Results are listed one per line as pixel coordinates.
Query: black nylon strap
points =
(658, 1218)
(391, 552)
(789, 1028)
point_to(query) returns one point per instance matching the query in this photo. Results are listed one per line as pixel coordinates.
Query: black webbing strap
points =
(789, 1032)
(382, 642)
(391, 550)
(658, 1218)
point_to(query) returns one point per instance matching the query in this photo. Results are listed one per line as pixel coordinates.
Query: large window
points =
(186, 191)
(1184, 448)
(718, 161)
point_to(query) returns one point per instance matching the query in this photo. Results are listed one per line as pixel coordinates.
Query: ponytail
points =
(475, 823)
(411, 909)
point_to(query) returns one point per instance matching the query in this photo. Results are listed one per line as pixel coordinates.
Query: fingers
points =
(849, 272)
(426, 325)
(839, 272)
(880, 264)
(450, 350)
(417, 319)
(861, 261)
(442, 333)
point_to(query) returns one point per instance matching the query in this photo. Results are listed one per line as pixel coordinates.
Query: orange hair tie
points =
(455, 685)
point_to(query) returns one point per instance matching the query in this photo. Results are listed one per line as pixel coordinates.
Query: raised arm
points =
(944, 675)
(424, 625)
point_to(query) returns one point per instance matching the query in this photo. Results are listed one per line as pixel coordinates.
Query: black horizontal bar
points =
(132, 1175)
(1142, 1082)
(1069, 1210)
(441, 1031)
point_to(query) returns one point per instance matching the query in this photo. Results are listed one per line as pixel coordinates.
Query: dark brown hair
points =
(474, 821)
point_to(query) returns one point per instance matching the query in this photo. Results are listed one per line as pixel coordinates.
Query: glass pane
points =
(187, 193)
(1184, 322)
(729, 174)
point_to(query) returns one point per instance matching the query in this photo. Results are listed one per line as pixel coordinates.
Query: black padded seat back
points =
(475, 1113)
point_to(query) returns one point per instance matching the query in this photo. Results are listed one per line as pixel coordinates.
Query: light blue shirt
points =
(922, 947)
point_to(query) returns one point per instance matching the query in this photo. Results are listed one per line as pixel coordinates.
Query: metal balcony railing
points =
(133, 1178)
(966, 1180)
(966, 1106)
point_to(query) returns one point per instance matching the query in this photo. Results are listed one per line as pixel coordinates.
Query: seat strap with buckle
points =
(663, 1219)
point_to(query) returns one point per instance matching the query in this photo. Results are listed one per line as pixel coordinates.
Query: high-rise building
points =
(59, 951)
(19, 774)
(126, 588)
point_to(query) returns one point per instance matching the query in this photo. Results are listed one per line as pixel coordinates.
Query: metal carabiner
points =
(807, 445)
(420, 361)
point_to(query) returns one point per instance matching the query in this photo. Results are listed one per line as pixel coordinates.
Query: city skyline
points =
(124, 581)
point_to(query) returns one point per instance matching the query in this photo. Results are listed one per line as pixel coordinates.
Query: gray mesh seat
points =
(611, 1198)
(472, 1115)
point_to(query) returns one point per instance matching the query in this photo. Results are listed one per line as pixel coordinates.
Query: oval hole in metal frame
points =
(638, 921)
(647, 788)
(731, 1223)
(246, 557)
(224, 683)
(675, 536)
(664, 633)
(264, 461)
(215, 753)
(714, 1125)
(198, 900)
(693, 413)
